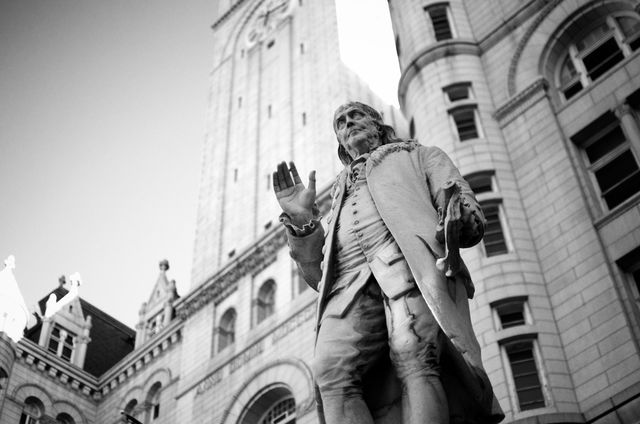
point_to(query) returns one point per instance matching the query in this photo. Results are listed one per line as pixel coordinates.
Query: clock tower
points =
(276, 80)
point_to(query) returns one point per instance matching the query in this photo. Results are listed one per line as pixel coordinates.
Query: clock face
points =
(266, 19)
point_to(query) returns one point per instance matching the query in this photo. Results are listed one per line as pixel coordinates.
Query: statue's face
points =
(357, 131)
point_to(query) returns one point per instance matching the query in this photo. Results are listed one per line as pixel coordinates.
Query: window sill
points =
(519, 332)
(618, 211)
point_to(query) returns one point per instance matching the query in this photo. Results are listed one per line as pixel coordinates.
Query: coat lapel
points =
(327, 261)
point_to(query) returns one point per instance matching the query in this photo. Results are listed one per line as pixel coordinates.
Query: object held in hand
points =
(449, 228)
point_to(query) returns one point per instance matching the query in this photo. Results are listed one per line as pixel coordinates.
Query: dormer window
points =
(61, 342)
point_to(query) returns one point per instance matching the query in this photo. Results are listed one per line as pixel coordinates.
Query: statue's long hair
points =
(386, 133)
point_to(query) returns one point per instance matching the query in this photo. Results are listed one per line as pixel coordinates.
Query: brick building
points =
(537, 102)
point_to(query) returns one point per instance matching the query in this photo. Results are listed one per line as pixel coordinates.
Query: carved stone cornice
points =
(258, 257)
(504, 112)
(429, 55)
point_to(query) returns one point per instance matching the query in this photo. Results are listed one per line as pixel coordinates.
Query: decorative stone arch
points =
(232, 42)
(161, 375)
(289, 374)
(526, 64)
(23, 391)
(135, 392)
(66, 407)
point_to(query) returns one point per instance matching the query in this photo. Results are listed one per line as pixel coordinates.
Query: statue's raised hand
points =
(294, 198)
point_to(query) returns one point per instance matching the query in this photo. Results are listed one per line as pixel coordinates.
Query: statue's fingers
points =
(287, 176)
(276, 184)
(294, 172)
(312, 180)
(282, 172)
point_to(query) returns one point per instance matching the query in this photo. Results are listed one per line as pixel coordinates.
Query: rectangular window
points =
(511, 313)
(54, 341)
(603, 57)
(630, 265)
(457, 92)
(610, 159)
(440, 21)
(464, 119)
(61, 343)
(525, 375)
(156, 410)
(494, 240)
(480, 182)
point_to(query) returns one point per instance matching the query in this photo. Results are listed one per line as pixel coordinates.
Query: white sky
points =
(102, 117)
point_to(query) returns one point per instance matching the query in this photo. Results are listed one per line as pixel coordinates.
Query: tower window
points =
(610, 160)
(265, 301)
(269, 109)
(301, 48)
(511, 312)
(481, 182)
(412, 128)
(457, 92)
(494, 240)
(439, 15)
(525, 375)
(304, 118)
(464, 119)
(239, 102)
(227, 329)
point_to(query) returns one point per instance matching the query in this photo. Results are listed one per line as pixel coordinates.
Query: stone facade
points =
(541, 140)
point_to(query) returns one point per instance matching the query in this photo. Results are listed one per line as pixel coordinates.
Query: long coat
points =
(405, 180)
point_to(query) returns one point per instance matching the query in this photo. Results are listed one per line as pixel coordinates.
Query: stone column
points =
(45, 332)
(629, 125)
(82, 342)
(168, 312)
(141, 328)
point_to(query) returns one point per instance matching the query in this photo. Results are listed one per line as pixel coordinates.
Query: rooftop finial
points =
(10, 262)
(164, 265)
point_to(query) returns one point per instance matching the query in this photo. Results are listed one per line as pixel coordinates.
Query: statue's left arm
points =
(439, 171)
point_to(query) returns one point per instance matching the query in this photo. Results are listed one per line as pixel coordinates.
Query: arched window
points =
(227, 329)
(65, 418)
(130, 409)
(283, 412)
(153, 400)
(265, 301)
(32, 410)
(275, 405)
(589, 47)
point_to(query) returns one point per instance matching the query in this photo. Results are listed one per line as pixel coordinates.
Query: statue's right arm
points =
(306, 250)
(301, 218)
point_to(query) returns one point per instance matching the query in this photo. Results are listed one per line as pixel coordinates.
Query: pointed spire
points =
(13, 311)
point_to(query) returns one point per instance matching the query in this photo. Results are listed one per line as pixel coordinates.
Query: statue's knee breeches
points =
(348, 346)
(415, 338)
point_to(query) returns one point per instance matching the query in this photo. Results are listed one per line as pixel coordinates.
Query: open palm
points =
(294, 198)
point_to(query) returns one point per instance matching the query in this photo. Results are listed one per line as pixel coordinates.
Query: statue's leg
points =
(346, 348)
(415, 344)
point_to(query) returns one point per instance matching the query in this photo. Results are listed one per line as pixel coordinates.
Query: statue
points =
(394, 341)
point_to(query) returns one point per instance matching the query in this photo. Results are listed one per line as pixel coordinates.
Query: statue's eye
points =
(340, 123)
